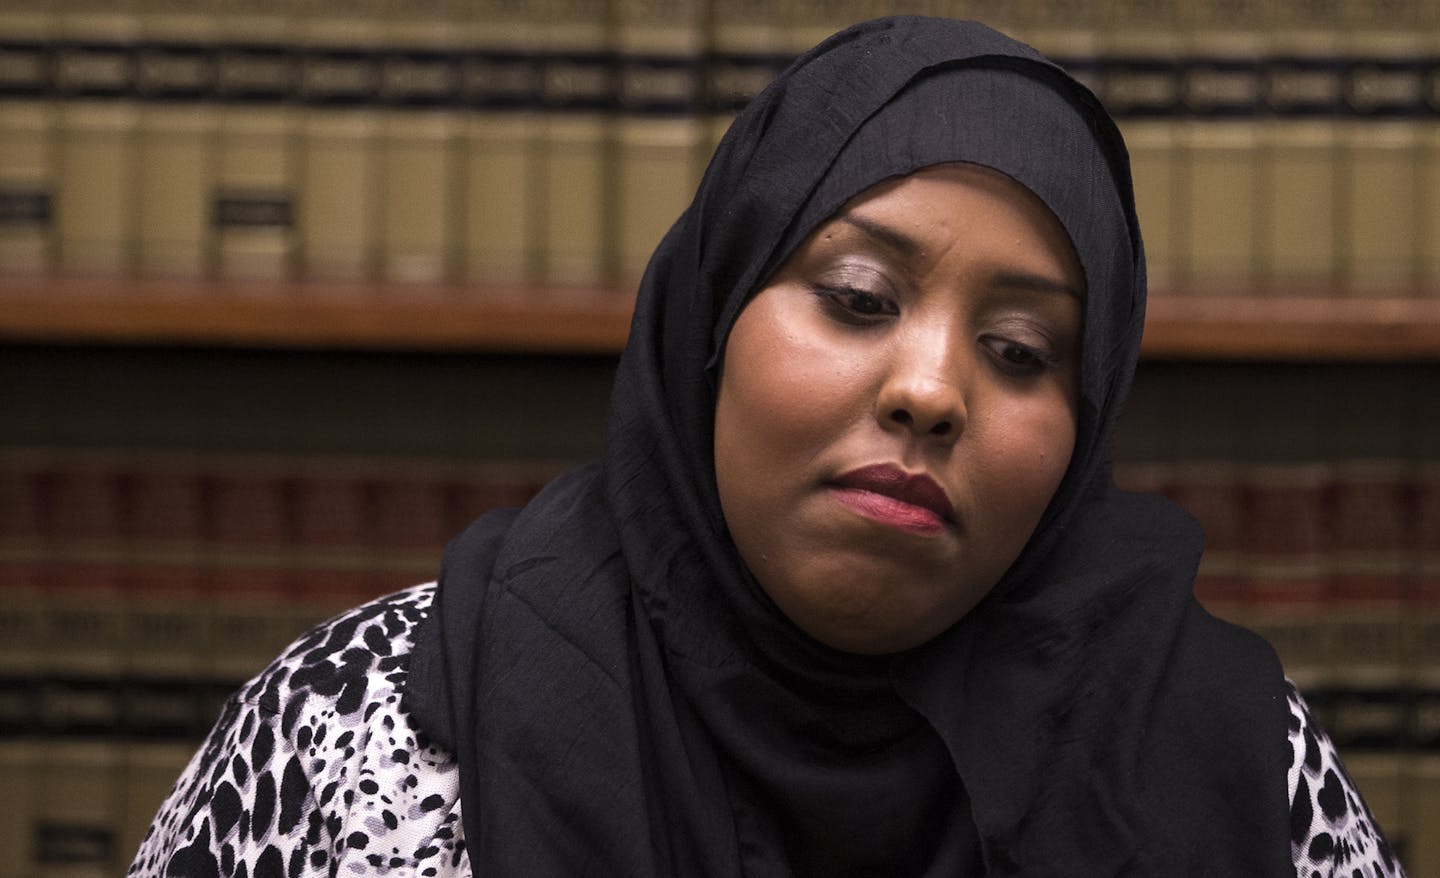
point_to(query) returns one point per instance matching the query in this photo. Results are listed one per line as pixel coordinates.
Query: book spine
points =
(340, 179)
(20, 758)
(22, 495)
(249, 568)
(1429, 281)
(1300, 151)
(1283, 553)
(253, 209)
(1421, 854)
(1380, 168)
(97, 147)
(85, 620)
(24, 480)
(476, 490)
(1421, 624)
(419, 90)
(1068, 32)
(1422, 662)
(175, 78)
(660, 127)
(80, 706)
(1220, 89)
(1140, 84)
(76, 830)
(149, 772)
(1370, 706)
(411, 508)
(807, 22)
(1370, 560)
(576, 179)
(163, 532)
(1211, 491)
(746, 49)
(500, 87)
(334, 538)
(27, 123)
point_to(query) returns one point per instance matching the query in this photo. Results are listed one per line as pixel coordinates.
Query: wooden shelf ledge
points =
(1293, 328)
(317, 315)
(561, 320)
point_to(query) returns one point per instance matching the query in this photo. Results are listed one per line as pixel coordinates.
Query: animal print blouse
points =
(315, 769)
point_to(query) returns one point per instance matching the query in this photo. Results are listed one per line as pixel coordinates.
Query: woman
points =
(851, 592)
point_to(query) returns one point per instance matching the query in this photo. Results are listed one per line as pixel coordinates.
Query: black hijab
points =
(624, 699)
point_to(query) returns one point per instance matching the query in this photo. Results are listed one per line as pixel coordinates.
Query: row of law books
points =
(553, 142)
(1337, 564)
(137, 590)
(128, 565)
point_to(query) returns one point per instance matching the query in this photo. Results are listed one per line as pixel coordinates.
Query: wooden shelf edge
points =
(363, 316)
(1293, 328)
(584, 320)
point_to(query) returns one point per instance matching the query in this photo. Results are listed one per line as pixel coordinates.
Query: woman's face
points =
(898, 406)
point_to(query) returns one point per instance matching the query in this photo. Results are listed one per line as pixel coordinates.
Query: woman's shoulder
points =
(317, 766)
(361, 652)
(1332, 830)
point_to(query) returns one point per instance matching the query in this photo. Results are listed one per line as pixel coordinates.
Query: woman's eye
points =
(1020, 359)
(858, 306)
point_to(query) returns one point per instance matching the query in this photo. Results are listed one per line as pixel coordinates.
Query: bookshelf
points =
(1225, 326)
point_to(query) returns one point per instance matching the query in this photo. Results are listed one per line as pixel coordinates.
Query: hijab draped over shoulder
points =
(623, 698)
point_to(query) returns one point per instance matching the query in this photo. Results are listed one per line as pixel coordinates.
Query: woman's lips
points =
(887, 494)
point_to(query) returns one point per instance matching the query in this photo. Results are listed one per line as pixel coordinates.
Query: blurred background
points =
(291, 290)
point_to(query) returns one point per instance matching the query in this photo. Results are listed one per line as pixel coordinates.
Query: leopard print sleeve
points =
(1332, 832)
(314, 769)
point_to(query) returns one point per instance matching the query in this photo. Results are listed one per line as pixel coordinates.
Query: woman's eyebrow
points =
(890, 238)
(1038, 283)
(897, 241)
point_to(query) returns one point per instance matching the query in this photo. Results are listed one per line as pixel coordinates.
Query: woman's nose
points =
(923, 391)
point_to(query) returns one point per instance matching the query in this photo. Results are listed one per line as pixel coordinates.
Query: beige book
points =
(1299, 235)
(501, 216)
(1300, 153)
(1140, 42)
(418, 173)
(1381, 209)
(1220, 145)
(340, 172)
(420, 142)
(78, 810)
(576, 181)
(1071, 32)
(1429, 281)
(660, 128)
(746, 47)
(149, 772)
(20, 768)
(257, 155)
(1421, 850)
(498, 210)
(1382, 779)
(1001, 14)
(97, 156)
(178, 132)
(1218, 188)
(1381, 212)
(27, 125)
(807, 22)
